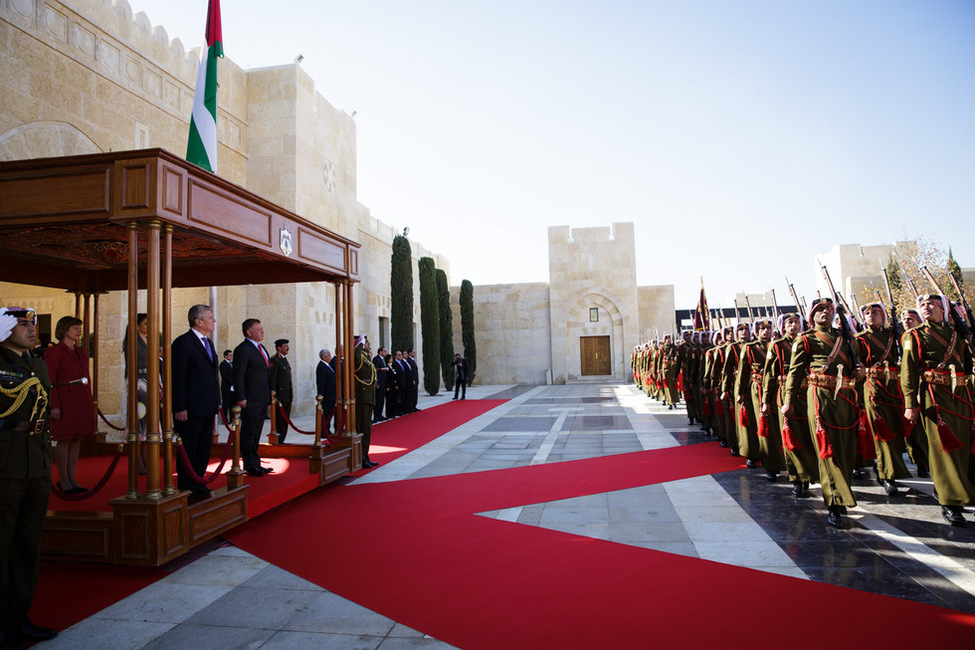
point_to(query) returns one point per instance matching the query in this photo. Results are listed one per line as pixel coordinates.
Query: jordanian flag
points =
(202, 147)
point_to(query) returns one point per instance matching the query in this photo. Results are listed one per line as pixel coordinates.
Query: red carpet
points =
(397, 437)
(427, 561)
(69, 592)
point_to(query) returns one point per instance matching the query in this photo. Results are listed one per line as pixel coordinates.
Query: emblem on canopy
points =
(285, 242)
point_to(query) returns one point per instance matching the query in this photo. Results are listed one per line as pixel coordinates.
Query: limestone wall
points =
(592, 268)
(510, 331)
(656, 309)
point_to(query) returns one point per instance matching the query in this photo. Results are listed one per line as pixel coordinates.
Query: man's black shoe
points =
(734, 452)
(771, 477)
(31, 633)
(796, 488)
(724, 444)
(749, 463)
(255, 472)
(860, 474)
(953, 515)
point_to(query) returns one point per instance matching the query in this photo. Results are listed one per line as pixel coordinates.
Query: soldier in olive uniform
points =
(365, 394)
(882, 396)
(748, 389)
(797, 442)
(917, 440)
(935, 375)
(25, 474)
(282, 384)
(822, 357)
(742, 417)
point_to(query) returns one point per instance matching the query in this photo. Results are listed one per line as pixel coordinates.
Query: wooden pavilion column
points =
(153, 490)
(132, 345)
(95, 356)
(340, 364)
(350, 365)
(167, 370)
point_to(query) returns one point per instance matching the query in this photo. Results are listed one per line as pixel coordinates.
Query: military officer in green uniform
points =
(743, 419)
(936, 372)
(748, 389)
(822, 358)
(365, 394)
(882, 396)
(25, 474)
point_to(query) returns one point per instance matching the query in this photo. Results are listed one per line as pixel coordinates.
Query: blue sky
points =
(742, 138)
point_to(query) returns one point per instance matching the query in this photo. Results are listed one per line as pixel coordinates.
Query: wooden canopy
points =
(69, 217)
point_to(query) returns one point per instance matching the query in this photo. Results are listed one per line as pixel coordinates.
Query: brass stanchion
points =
(233, 476)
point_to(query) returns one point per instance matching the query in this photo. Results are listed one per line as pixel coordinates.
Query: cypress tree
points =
(446, 331)
(467, 328)
(401, 294)
(955, 270)
(430, 325)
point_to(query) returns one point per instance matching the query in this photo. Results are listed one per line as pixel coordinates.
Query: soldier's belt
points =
(23, 426)
(783, 378)
(881, 373)
(944, 377)
(829, 381)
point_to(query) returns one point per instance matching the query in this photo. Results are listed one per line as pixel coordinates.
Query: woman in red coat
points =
(72, 407)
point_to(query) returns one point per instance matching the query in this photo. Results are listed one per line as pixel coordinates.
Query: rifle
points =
(960, 326)
(855, 312)
(961, 297)
(894, 324)
(844, 323)
(775, 308)
(910, 283)
(795, 298)
(748, 305)
(737, 311)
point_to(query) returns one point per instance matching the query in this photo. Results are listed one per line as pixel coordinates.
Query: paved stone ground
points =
(223, 597)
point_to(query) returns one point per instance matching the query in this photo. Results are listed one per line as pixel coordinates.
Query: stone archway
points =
(45, 140)
(582, 333)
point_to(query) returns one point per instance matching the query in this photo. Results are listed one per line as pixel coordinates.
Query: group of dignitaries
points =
(799, 399)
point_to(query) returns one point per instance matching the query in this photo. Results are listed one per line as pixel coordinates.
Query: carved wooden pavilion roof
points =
(64, 223)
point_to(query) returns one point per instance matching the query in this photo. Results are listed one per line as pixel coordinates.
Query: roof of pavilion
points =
(68, 219)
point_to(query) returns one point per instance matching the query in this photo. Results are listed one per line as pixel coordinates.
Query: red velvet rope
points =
(329, 438)
(102, 416)
(292, 424)
(59, 493)
(211, 476)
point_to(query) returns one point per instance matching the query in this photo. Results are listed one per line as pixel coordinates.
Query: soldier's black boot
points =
(835, 518)
(797, 489)
(890, 487)
(953, 515)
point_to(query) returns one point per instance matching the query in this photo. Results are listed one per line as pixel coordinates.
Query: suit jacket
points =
(251, 377)
(196, 388)
(226, 381)
(325, 378)
(280, 377)
(414, 370)
(382, 371)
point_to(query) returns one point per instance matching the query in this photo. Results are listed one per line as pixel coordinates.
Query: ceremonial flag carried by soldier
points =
(702, 317)
(202, 146)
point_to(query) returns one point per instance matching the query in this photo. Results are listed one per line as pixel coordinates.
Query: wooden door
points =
(594, 351)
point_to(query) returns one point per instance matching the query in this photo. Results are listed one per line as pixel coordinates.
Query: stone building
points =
(87, 76)
(581, 325)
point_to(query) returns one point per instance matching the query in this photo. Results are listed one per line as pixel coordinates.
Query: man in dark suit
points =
(253, 389)
(382, 372)
(415, 379)
(404, 376)
(325, 380)
(227, 383)
(283, 386)
(460, 380)
(196, 395)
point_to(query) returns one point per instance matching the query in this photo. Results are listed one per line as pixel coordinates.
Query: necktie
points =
(267, 362)
(209, 347)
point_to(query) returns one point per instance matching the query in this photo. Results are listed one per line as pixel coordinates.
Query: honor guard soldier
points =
(821, 357)
(882, 396)
(797, 442)
(935, 378)
(25, 474)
